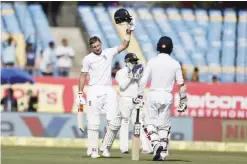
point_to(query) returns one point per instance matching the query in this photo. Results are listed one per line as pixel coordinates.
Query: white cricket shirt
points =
(66, 53)
(99, 67)
(163, 70)
(128, 87)
(47, 60)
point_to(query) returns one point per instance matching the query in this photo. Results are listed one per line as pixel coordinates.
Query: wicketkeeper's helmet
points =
(131, 58)
(122, 15)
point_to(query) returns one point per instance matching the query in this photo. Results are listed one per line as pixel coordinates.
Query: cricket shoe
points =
(157, 151)
(95, 155)
(124, 152)
(163, 155)
(106, 153)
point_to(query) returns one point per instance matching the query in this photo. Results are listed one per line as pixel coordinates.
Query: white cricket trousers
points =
(100, 99)
(128, 113)
(158, 121)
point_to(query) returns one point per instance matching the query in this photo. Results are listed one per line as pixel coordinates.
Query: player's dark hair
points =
(94, 39)
(51, 44)
(10, 39)
(196, 69)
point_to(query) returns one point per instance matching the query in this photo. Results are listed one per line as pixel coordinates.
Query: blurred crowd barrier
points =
(65, 126)
(56, 95)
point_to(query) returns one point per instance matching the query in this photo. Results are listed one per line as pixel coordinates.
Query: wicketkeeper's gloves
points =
(79, 100)
(183, 99)
(137, 71)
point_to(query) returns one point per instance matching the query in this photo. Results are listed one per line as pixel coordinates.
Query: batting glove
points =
(79, 100)
(183, 100)
(138, 102)
(132, 25)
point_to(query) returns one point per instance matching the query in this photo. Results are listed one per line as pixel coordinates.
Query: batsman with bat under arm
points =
(164, 70)
(128, 79)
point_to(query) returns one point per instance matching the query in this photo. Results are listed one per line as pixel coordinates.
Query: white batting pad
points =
(164, 137)
(146, 146)
(124, 135)
(152, 135)
(108, 139)
(112, 129)
(93, 138)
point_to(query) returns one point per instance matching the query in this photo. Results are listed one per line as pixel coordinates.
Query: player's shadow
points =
(171, 160)
(111, 157)
(177, 160)
(85, 156)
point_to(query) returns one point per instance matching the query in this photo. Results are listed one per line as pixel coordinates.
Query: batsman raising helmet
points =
(101, 96)
(164, 70)
(128, 79)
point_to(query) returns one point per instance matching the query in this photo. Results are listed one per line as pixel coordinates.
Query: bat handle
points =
(137, 114)
(80, 109)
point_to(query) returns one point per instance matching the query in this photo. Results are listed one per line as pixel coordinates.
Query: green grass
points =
(41, 155)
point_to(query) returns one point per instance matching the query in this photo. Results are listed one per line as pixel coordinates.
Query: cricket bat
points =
(80, 118)
(136, 138)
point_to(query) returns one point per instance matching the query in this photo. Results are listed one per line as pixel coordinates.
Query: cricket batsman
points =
(128, 79)
(164, 70)
(101, 96)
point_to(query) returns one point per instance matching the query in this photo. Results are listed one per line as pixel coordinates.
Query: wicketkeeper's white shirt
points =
(127, 87)
(163, 70)
(99, 67)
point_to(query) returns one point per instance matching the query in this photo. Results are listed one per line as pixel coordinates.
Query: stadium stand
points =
(182, 31)
(2, 27)
(9, 19)
(12, 28)
(179, 53)
(196, 34)
(241, 60)
(201, 30)
(166, 28)
(214, 43)
(200, 37)
(91, 25)
(41, 24)
(25, 21)
(184, 23)
(228, 46)
(212, 40)
(26, 24)
(141, 35)
(149, 24)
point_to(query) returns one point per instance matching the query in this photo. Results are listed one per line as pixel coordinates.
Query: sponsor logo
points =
(38, 130)
(213, 101)
(215, 113)
(234, 131)
(209, 105)
(7, 128)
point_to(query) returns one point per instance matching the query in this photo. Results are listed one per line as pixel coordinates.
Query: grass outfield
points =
(41, 155)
